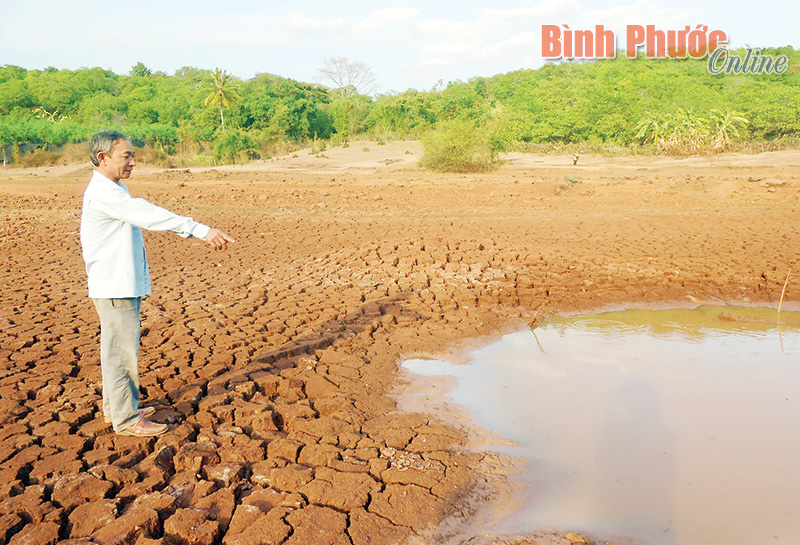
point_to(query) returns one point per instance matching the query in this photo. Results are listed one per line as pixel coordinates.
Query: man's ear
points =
(101, 155)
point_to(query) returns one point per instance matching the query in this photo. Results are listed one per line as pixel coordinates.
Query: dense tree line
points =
(621, 101)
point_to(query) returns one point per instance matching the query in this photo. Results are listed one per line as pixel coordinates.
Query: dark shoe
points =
(144, 428)
(144, 411)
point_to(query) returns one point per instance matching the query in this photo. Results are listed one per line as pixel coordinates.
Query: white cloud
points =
(524, 42)
(204, 30)
(643, 12)
(383, 17)
(451, 52)
(534, 14)
(439, 26)
(507, 38)
(303, 23)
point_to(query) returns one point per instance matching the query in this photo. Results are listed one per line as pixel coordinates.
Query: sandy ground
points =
(276, 361)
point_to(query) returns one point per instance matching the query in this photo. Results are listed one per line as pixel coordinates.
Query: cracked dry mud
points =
(275, 362)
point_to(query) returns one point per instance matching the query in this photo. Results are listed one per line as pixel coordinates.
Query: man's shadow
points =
(370, 316)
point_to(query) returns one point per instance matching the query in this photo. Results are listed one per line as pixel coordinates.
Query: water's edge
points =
(626, 399)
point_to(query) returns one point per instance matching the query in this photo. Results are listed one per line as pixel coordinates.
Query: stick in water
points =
(783, 291)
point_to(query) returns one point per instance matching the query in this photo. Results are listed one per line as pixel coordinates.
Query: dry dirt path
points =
(275, 361)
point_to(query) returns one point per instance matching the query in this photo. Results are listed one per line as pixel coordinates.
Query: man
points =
(113, 249)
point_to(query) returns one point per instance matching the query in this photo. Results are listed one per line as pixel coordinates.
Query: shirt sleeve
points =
(120, 205)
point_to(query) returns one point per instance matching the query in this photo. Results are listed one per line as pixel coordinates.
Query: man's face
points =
(120, 163)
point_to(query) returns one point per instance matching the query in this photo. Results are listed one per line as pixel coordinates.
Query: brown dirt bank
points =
(275, 360)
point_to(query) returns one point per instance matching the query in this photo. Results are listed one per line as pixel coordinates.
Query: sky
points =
(407, 44)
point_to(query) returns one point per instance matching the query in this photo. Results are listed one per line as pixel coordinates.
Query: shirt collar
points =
(104, 180)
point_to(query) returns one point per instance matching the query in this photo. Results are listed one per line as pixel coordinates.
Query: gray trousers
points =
(119, 358)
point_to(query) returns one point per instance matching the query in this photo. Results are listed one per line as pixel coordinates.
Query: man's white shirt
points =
(112, 242)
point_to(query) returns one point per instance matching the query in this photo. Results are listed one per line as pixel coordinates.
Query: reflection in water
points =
(688, 324)
(639, 494)
(670, 427)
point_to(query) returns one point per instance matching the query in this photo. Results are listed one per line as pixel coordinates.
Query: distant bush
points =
(155, 156)
(65, 155)
(38, 158)
(163, 137)
(459, 146)
(235, 145)
(41, 131)
(74, 153)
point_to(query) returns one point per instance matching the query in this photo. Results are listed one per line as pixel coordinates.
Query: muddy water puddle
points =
(667, 427)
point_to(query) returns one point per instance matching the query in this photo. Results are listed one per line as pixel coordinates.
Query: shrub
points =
(75, 153)
(236, 145)
(156, 135)
(38, 158)
(155, 156)
(64, 155)
(459, 146)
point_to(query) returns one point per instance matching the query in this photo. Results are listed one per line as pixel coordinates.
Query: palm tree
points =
(223, 94)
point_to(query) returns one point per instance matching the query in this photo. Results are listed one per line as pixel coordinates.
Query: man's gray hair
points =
(104, 141)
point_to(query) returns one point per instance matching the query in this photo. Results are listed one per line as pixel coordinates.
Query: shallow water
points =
(669, 427)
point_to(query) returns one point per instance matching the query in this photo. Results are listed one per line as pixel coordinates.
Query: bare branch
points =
(347, 77)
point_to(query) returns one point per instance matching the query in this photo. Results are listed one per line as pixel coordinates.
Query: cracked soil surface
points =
(275, 362)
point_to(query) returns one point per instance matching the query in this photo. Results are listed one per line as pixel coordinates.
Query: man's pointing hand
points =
(218, 239)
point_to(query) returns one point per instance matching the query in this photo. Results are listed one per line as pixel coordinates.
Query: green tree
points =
(15, 95)
(64, 90)
(405, 114)
(284, 108)
(139, 69)
(236, 145)
(223, 94)
(348, 115)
